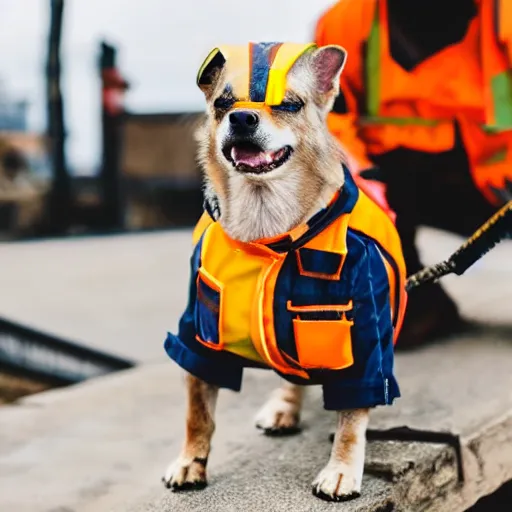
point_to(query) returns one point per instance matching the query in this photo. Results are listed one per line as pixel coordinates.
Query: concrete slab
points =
(103, 445)
(121, 294)
(484, 292)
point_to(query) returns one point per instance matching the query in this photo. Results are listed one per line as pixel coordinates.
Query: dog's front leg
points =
(188, 471)
(281, 413)
(341, 478)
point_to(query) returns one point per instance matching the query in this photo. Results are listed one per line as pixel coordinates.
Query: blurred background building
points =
(152, 179)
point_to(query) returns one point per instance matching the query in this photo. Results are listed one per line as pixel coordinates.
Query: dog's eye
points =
(289, 106)
(223, 103)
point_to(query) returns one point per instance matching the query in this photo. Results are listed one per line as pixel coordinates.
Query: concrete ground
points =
(103, 445)
(119, 294)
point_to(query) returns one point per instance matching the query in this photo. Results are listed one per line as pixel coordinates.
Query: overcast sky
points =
(161, 44)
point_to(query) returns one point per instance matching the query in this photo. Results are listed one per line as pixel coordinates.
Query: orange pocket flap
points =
(324, 344)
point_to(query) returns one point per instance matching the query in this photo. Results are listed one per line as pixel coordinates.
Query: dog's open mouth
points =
(249, 157)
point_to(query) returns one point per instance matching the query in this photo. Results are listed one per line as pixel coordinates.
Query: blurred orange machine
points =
(389, 107)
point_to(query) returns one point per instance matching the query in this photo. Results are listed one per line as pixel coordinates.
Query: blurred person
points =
(426, 109)
(19, 191)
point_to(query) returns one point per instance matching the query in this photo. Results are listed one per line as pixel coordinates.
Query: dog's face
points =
(265, 145)
(251, 136)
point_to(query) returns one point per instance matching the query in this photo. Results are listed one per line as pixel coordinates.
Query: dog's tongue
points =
(250, 157)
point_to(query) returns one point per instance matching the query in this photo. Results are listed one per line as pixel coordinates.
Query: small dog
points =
(296, 270)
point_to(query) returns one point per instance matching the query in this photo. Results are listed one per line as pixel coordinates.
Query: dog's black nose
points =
(244, 120)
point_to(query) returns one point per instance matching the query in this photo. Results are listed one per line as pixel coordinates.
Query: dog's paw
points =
(337, 482)
(186, 474)
(278, 417)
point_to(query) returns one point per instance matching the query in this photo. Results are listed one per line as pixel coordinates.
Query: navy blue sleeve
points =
(186, 351)
(372, 333)
(372, 306)
(370, 381)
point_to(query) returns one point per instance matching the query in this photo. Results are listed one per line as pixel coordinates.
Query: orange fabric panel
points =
(439, 86)
(343, 127)
(435, 90)
(376, 191)
(332, 348)
(262, 325)
(505, 26)
(237, 65)
(204, 221)
(347, 23)
(381, 138)
(454, 84)
(238, 267)
(490, 155)
(294, 234)
(331, 239)
(368, 218)
(494, 60)
(303, 309)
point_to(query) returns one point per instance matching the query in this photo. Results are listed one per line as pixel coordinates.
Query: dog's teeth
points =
(268, 158)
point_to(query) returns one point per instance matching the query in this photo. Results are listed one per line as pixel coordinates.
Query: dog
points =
(294, 268)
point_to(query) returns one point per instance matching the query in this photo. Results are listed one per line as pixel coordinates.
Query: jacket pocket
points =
(323, 343)
(208, 310)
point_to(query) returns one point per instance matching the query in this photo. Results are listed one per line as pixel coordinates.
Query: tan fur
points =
(189, 470)
(259, 207)
(342, 476)
(255, 206)
(281, 413)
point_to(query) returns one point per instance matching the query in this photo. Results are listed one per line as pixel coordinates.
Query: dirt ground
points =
(12, 388)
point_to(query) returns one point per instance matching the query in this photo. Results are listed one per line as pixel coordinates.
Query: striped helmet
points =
(259, 70)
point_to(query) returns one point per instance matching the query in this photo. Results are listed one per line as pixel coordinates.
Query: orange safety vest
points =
(320, 304)
(416, 110)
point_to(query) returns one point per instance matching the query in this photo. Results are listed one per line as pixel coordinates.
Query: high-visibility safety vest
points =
(469, 83)
(321, 304)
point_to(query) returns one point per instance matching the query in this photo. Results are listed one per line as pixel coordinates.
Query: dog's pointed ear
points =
(327, 64)
(209, 72)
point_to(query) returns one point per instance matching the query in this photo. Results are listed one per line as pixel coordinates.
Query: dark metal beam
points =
(59, 206)
(113, 88)
(31, 353)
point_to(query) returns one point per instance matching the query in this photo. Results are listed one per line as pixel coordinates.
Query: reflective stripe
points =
(400, 121)
(372, 66)
(501, 87)
(285, 58)
(499, 156)
(205, 64)
(419, 121)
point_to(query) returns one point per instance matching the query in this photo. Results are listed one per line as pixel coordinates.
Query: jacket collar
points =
(343, 202)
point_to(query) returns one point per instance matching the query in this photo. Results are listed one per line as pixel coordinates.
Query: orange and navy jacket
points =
(385, 107)
(322, 304)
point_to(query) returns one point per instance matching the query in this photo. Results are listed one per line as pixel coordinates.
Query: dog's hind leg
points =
(281, 413)
(188, 471)
(341, 478)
